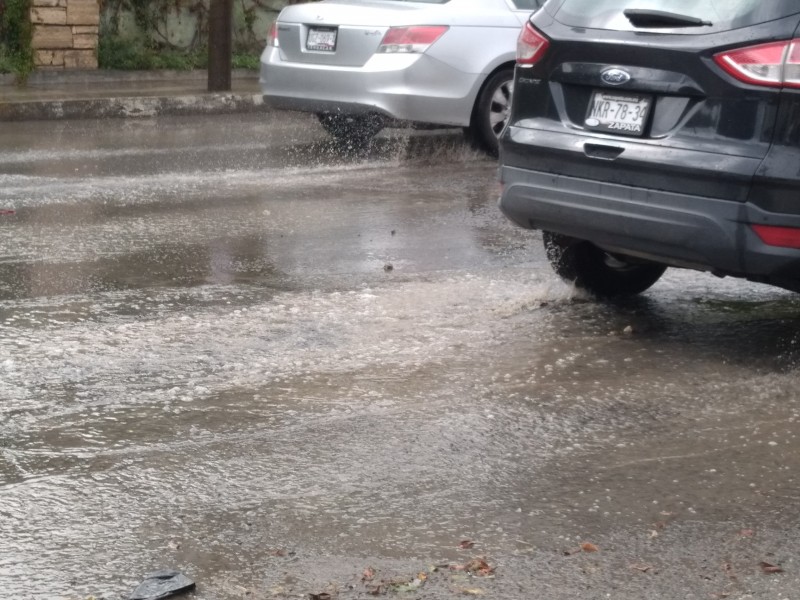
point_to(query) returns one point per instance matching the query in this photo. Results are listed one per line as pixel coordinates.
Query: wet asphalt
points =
(228, 348)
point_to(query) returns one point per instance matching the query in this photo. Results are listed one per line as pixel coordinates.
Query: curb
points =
(132, 107)
(86, 76)
(83, 95)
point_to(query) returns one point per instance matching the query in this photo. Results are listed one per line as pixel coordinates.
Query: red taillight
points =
(531, 46)
(410, 40)
(272, 36)
(784, 237)
(776, 64)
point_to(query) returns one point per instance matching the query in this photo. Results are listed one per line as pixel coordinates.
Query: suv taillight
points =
(776, 64)
(410, 40)
(531, 46)
(272, 36)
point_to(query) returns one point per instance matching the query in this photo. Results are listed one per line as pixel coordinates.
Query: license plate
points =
(321, 39)
(617, 112)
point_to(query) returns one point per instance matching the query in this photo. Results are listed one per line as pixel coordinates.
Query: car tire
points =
(598, 272)
(352, 131)
(491, 111)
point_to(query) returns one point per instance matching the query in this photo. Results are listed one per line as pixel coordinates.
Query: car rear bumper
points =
(677, 229)
(409, 87)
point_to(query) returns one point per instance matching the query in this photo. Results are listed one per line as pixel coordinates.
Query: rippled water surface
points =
(226, 349)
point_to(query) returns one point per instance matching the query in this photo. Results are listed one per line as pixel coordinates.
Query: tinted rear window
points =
(527, 4)
(724, 14)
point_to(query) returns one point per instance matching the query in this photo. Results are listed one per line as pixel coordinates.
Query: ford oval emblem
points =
(615, 76)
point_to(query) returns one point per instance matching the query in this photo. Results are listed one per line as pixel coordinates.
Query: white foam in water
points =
(205, 350)
(29, 191)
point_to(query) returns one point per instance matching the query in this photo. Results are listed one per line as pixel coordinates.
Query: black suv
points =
(653, 133)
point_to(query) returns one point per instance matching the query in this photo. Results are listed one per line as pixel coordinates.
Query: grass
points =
(16, 55)
(20, 65)
(246, 61)
(131, 54)
(6, 64)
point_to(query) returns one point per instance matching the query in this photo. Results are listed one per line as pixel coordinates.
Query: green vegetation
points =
(16, 55)
(147, 49)
(115, 52)
(140, 34)
(246, 61)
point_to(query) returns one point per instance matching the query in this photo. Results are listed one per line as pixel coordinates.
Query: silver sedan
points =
(363, 64)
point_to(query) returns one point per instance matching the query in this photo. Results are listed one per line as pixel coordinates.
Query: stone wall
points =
(65, 33)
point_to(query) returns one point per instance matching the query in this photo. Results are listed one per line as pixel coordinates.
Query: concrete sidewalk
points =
(52, 95)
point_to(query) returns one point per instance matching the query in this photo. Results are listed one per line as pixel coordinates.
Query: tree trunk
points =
(220, 46)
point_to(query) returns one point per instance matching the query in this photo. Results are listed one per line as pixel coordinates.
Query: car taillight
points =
(410, 40)
(776, 64)
(531, 46)
(272, 36)
(782, 237)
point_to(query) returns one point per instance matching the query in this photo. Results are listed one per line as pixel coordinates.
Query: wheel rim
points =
(500, 106)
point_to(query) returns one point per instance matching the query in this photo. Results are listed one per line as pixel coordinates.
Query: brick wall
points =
(65, 33)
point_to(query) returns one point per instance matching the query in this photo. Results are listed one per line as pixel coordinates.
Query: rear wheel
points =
(491, 111)
(353, 131)
(593, 269)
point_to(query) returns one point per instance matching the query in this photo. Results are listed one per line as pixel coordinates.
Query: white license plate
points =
(321, 39)
(617, 112)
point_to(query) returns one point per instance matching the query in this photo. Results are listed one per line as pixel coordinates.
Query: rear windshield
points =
(527, 4)
(723, 14)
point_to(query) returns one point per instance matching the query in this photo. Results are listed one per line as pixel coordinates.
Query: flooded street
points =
(227, 349)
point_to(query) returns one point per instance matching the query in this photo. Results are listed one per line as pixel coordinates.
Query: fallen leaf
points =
(653, 534)
(642, 568)
(7, 211)
(473, 592)
(368, 574)
(278, 552)
(770, 568)
(375, 590)
(747, 533)
(477, 566)
(572, 551)
(466, 544)
(589, 547)
(660, 525)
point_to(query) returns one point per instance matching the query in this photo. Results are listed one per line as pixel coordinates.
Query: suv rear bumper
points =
(667, 227)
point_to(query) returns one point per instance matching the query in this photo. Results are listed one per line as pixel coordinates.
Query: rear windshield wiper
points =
(643, 17)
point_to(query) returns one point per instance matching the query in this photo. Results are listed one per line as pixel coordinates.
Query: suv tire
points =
(593, 269)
